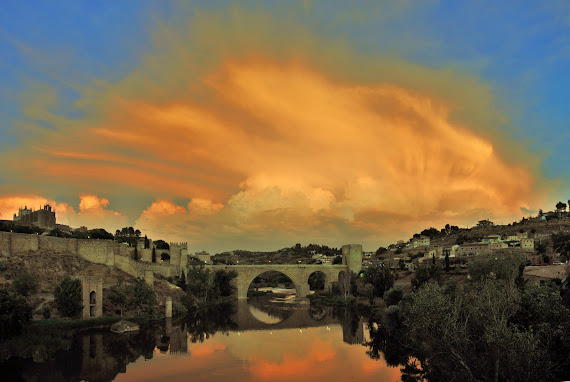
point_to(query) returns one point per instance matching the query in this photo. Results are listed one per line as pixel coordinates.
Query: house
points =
(485, 223)
(527, 244)
(473, 249)
(491, 239)
(421, 241)
(498, 245)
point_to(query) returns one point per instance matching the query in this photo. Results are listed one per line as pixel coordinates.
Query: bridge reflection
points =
(102, 355)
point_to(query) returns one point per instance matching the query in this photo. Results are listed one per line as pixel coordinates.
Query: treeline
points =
(494, 327)
(203, 286)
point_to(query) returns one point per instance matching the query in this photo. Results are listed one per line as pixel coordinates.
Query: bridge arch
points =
(283, 272)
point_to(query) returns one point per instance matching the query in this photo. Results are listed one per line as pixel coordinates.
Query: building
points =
(473, 249)
(498, 245)
(485, 223)
(527, 244)
(42, 218)
(421, 241)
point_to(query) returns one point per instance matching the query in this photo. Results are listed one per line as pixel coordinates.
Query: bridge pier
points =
(299, 274)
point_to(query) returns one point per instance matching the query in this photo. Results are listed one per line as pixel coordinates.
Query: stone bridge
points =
(299, 273)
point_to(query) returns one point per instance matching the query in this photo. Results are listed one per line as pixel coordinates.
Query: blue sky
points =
(518, 51)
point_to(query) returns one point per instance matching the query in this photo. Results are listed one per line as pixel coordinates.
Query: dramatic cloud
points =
(271, 139)
(92, 211)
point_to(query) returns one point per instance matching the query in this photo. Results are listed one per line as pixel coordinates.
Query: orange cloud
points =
(272, 140)
(92, 211)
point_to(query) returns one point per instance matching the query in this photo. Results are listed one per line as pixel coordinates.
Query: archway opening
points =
(271, 297)
(92, 303)
(317, 281)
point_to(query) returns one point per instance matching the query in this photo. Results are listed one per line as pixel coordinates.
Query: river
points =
(265, 339)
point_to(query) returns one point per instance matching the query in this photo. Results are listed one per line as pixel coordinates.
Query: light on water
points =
(267, 339)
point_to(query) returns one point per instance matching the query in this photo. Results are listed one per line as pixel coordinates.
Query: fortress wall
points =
(5, 244)
(72, 246)
(128, 265)
(145, 255)
(175, 255)
(54, 244)
(23, 242)
(96, 251)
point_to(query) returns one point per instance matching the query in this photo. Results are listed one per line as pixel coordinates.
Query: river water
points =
(265, 339)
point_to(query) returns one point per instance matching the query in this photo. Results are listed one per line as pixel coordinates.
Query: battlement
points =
(182, 244)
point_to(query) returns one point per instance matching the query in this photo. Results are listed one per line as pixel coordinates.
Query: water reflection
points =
(222, 343)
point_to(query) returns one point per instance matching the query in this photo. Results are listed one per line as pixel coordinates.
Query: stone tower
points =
(92, 290)
(352, 256)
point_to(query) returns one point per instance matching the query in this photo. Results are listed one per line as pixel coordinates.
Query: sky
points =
(257, 125)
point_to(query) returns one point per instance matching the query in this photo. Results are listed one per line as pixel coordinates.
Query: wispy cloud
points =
(271, 133)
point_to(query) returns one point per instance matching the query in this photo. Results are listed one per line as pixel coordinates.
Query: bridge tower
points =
(352, 257)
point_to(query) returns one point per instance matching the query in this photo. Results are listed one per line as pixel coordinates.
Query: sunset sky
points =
(257, 125)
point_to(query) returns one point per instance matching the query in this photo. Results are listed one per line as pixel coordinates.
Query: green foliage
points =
(46, 312)
(182, 281)
(136, 254)
(424, 274)
(130, 236)
(503, 266)
(541, 248)
(561, 244)
(489, 331)
(337, 260)
(222, 282)
(140, 296)
(164, 256)
(99, 233)
(15, 312)
(393, 295)
(398, 251)
(381, 279)
(67, 296)
(431, 232)
(317, 281)
(118, 296)
(381, 250)
(161, 244)
(153, 255)
(25, 284)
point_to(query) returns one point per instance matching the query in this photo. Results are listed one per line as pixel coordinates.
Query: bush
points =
(25, 284)
(67, 296)
(15, 312)
(393, 295)
(46, 312)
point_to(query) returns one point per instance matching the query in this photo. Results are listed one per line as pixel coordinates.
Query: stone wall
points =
(5, 244)
(55, 244)
(23, 242)
(105, 252)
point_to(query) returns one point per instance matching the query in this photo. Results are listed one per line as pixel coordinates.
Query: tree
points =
(15, 312)
(141, 296)
(337, 260)
(561, 244)
(67, 297)
(118, 295)
(393, 295)
(317, 281)
(560, 206)
(154, 255)
(381, 250)
(25, 284)
(380, 277)
(447, 267)
(161, 244)
(135, 254)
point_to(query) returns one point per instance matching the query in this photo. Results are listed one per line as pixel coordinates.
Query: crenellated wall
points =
(105, 252)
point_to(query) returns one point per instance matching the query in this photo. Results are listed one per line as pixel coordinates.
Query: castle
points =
(43, 218)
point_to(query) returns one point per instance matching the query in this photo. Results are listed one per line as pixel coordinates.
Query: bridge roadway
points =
(299, 274)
